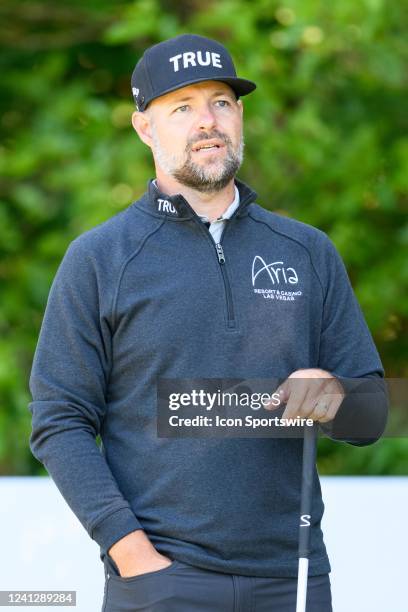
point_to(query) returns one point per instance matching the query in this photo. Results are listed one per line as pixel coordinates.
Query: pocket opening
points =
(116, 575)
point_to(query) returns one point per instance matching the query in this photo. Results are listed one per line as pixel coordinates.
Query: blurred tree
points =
(325, 143)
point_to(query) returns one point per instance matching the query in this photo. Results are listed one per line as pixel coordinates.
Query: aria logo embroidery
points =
(275, 274)
(166, 206)
(190, 58)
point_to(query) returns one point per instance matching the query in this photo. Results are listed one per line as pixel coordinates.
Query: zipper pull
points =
(220, 253)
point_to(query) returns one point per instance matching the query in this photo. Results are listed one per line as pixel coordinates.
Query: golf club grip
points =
(308, 469)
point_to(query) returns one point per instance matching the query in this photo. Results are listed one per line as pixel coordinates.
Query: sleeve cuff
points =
(114, 527)
(362, 416)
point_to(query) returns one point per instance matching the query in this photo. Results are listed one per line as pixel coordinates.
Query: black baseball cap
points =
(181, 61)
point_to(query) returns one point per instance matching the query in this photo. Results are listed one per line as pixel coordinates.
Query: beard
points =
(209, 177)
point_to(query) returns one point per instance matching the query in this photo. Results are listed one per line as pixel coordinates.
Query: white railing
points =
(43, 545)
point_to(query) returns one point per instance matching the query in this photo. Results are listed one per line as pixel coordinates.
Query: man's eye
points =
(223, 103)
(182, 109)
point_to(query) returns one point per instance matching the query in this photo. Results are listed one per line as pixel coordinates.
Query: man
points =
(196, 281)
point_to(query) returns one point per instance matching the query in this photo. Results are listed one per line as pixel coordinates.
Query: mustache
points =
(208, 136)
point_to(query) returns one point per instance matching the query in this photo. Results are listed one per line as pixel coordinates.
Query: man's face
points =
(196, 135)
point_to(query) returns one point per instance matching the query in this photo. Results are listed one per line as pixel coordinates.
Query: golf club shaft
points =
(308, 468)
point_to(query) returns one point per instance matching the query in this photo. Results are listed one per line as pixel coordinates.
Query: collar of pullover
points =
(176, 207)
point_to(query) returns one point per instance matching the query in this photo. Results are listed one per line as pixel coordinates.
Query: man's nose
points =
(206, 118)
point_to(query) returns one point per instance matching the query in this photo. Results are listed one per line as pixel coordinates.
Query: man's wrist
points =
(134, 541)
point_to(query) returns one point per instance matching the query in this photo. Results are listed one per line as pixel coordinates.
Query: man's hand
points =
(134, 554)
(317, 395)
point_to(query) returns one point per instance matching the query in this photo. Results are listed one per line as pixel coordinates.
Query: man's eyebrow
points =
(186, 99)
(222, 92)
(216, 93)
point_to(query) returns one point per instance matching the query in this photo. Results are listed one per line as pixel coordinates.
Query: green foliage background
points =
(325, 143)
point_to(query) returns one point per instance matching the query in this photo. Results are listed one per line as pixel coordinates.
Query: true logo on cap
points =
(192, 58)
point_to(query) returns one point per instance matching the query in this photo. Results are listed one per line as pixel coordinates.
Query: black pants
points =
(185, 588)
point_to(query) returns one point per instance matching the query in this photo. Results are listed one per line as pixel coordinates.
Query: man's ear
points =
(141, 123)
(241, 106)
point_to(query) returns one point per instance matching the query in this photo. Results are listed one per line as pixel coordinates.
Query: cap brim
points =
(242, 87)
